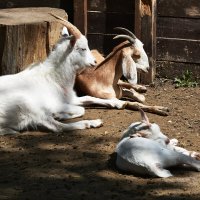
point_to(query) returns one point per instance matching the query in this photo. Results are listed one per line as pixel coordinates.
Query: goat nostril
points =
(95, 62)
(167, 141)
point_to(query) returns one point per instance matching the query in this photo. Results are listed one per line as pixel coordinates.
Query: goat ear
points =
(141, 134)
(65, 32)
(145, 119)
(129, 69)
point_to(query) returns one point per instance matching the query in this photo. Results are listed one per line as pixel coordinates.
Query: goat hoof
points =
(195, 155)
(141, 89)
(95, 123)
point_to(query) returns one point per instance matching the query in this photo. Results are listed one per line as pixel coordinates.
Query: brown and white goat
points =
(104, 80)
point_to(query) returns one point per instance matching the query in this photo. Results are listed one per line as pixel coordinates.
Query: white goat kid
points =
(144, 149)
(43, 92)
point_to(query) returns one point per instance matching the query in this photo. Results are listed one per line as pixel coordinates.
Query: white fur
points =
(143, 62)
(44, 91)
(144, 149)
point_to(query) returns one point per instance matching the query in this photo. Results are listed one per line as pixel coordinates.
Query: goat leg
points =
(133, 95)
(136, 87)
(160, 110)
(173, 145)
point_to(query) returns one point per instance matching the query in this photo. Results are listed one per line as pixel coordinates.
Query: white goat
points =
(144, 149)
(44, 92)
(103, 81)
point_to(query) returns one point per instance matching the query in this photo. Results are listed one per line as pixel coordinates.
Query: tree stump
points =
(27, 35)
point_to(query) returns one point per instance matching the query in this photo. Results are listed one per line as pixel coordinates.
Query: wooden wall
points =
(103, 16)
(178, 37)
(169, 29)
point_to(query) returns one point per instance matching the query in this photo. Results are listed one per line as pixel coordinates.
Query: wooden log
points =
(29, 3)
(27, 36)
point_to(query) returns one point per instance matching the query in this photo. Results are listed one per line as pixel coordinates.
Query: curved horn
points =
(72, 29)
(129, 38)
(126, 31)
(144, 117)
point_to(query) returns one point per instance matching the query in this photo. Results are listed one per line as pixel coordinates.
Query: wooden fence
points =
(169, 29)
(178, 37)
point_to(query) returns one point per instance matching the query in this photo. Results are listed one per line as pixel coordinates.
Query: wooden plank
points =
(171, 70)
(29, 3)
(178, 50)
(93, 18)
(107, 22)
(137, 21)
(178, 28)
(2, 45)
(97, 5)
(119, 19)
(120, 6)
(109, 43)
(102, 42)
(179, 8)
(96, 41)
(146, 31)
(80, 15)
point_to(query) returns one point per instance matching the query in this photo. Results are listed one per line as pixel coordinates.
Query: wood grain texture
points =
(97, 5)
(178, 50)
(172, 70)
(185, 28)
(145, 27)
(29, 3)
(27, 36)
(179, 8)
(80, 15)
(97, 22)
(178, 37)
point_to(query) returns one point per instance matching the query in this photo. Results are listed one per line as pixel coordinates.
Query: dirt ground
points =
(80, 164)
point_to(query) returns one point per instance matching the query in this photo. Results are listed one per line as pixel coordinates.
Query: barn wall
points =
(178, 37)
(103, 16)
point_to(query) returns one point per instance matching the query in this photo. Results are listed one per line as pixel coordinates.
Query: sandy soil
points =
(80, 164)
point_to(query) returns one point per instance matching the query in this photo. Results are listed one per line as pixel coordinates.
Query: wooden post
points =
(145, 29)
(80, 15)
(27, 35)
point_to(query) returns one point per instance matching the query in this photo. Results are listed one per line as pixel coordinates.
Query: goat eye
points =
(83, 49)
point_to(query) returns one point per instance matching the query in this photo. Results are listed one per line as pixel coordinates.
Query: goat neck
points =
(113, 53)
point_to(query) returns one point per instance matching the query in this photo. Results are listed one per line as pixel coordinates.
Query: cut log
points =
(27, 35)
